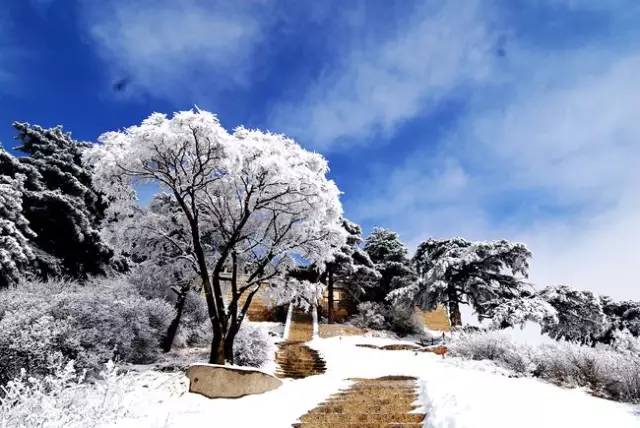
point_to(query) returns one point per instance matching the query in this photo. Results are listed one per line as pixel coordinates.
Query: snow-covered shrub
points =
(62, 399)
(370, 315)
(252, 346)
(90, 324)
(492, 345)
(604, 370)
(403, 320)
(195, 326)
(385, 316)
(624, 341)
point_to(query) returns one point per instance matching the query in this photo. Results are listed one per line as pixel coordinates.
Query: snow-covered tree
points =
(15, 249)
(156, 243)
(59, 201)
(351, 267)
(580, 314)
(302, 294)
(517, 311)
(484, 275)
(389, 255)
(620, 316)
(260, 199)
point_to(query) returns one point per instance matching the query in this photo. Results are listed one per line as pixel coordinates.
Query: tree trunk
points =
(217, 355)
(455, 317)
(167, 343)
(228, 347)
(212, 291)
(454, 308)
(330, 297)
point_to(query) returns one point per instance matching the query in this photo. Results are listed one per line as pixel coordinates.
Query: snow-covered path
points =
(456, 394)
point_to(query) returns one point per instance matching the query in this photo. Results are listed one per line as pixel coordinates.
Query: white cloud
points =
(385, 82)
(598, 253)
(577, 141)
(175, 49)
(554, 164)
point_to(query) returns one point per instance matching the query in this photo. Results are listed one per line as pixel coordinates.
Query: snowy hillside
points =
(453, 393)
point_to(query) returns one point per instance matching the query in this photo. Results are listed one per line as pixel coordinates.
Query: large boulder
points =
(215, 381)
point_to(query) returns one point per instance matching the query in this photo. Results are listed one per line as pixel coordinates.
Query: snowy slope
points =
(456, 394)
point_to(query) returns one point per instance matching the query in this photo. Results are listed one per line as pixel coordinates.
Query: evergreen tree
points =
(389, 255)
(15, 250)
(454, 271)
(59, 201)
(516, 311)
(580, 315)
(620, 316)
(352, 267)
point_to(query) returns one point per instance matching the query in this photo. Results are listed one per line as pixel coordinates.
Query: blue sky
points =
(486, 119)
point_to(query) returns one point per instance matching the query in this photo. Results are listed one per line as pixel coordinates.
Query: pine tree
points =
(16, 253)
(389, 255)
(352, 267)
(580, 315)
(620, 316)
(455, 271)
(59, 201)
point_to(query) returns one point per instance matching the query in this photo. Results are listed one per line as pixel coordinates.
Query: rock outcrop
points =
(215, 381)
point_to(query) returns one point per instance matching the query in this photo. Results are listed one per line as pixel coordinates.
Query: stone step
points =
(301, 363)
(294, 370)
(376, 392)
(291, 369)
(357, 425)
(375, 400)
(363, 417)
(373, 387)
(368, 403)
(364, 407)
(285, 360)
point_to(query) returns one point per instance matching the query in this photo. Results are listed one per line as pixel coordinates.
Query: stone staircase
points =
(368, 403)
(295, 359)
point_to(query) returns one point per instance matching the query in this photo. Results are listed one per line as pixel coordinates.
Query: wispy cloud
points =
(554, 163)
(176, 50)
(382, 83)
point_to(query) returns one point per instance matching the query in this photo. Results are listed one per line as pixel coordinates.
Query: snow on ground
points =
(455, 393)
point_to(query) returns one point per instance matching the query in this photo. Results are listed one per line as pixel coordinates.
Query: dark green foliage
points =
(59, 202)
(389, 255)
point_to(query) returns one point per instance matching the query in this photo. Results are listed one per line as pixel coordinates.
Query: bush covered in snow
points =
(370, 315)
(604, 370)
(380, 316)
(252, 346)
(63, 399)
(195, 326)
(90, 324)
(492, 345)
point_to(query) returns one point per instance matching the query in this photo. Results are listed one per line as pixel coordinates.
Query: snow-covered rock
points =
(215, 381)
